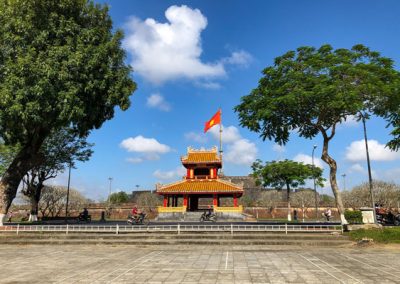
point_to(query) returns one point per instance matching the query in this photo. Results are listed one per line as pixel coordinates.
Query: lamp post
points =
(315, 186)
(344, 181)
(369, 168)
(109, 192)
(69, 181)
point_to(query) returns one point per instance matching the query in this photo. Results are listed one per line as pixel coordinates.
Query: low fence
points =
(179, 228)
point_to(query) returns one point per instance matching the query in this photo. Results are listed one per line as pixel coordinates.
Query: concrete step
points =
(174, 235)
(138, 242)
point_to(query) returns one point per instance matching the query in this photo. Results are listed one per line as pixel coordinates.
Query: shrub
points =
(353, 217)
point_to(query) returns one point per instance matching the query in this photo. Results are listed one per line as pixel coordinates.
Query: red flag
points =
(216, 119)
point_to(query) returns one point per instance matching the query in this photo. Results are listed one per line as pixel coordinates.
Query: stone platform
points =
(195, 264)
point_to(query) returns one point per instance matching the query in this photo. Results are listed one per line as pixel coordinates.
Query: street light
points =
(69, 181)
(315, 186)
(369, 167)
(109, 193)
(344, 181)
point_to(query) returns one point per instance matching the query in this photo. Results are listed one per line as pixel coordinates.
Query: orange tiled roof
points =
(200, 186)
(201, 156)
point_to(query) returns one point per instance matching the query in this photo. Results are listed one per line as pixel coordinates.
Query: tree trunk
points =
(34, 209)
(25, 159)
(332, 177)
(289, 215)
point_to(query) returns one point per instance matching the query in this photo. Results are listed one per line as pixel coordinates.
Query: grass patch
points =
(385, 235)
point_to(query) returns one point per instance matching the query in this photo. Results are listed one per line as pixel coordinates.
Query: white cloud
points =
(141, 144)
(196, 137)
(135, 160)
(356, 168)
(377, 152)
(230, 134)
(240, 57)
(278, 148)
(241, 152)
(157, 101)
(172, 50)
(208, 85)
(306, 159)
(169, 175)
(350, 121)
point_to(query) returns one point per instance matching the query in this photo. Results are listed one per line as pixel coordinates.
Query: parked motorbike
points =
(385, 217)
(208, 216)
(138, 219)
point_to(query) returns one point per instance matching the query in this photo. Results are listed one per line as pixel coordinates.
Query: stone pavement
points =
(195, 264)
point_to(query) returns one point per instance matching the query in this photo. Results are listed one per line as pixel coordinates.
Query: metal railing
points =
(118, 229)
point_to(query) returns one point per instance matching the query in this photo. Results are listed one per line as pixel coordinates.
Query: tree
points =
(7, 154)
(61, 65)
(386, 194)
(310, 91)
(289, 174)
(119, 197)
(148, 199)
(60, 150)
(303, 199)
(54, 200)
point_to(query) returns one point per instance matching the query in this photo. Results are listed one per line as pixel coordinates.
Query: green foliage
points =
(285, 173)
(385, 235)
(311, 90)
(119, 197)
(353, 217)
(61, 65)
(7, 154)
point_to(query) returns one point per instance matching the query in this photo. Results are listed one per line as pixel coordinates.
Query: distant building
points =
(248, 182)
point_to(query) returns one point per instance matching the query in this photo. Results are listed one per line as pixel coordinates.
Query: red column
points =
(185, 200)
(215, 173)
(215, 201)
(188, 173)
(165, 201)
(235, 203)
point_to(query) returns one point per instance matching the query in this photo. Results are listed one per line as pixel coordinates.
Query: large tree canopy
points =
(61, 65)
(285, 174)
(310, 91)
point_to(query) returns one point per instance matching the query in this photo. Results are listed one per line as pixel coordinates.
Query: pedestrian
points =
(328, 214)
(295, 214)
(10, 215)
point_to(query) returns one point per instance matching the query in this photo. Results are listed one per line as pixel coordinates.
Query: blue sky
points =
(192, 57)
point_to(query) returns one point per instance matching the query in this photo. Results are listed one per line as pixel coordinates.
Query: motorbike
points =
(84, 218)
(385, 217)
(208, 216)
(138, 219)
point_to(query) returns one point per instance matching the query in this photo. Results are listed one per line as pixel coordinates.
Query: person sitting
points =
(134, 211)
(209, 212)
(84, 214)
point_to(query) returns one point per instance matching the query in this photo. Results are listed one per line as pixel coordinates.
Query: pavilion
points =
(200, 184)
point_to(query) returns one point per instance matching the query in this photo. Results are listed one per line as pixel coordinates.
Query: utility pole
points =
(69, 181)
(109, 193)
(344, 181)
(315, 185)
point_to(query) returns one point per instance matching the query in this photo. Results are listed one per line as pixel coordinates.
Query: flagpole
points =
(220, 134)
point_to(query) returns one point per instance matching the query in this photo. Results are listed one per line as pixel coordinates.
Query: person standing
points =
(295, 214)
(328, 214)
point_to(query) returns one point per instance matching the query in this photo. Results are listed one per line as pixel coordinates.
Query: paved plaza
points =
(128, 264)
